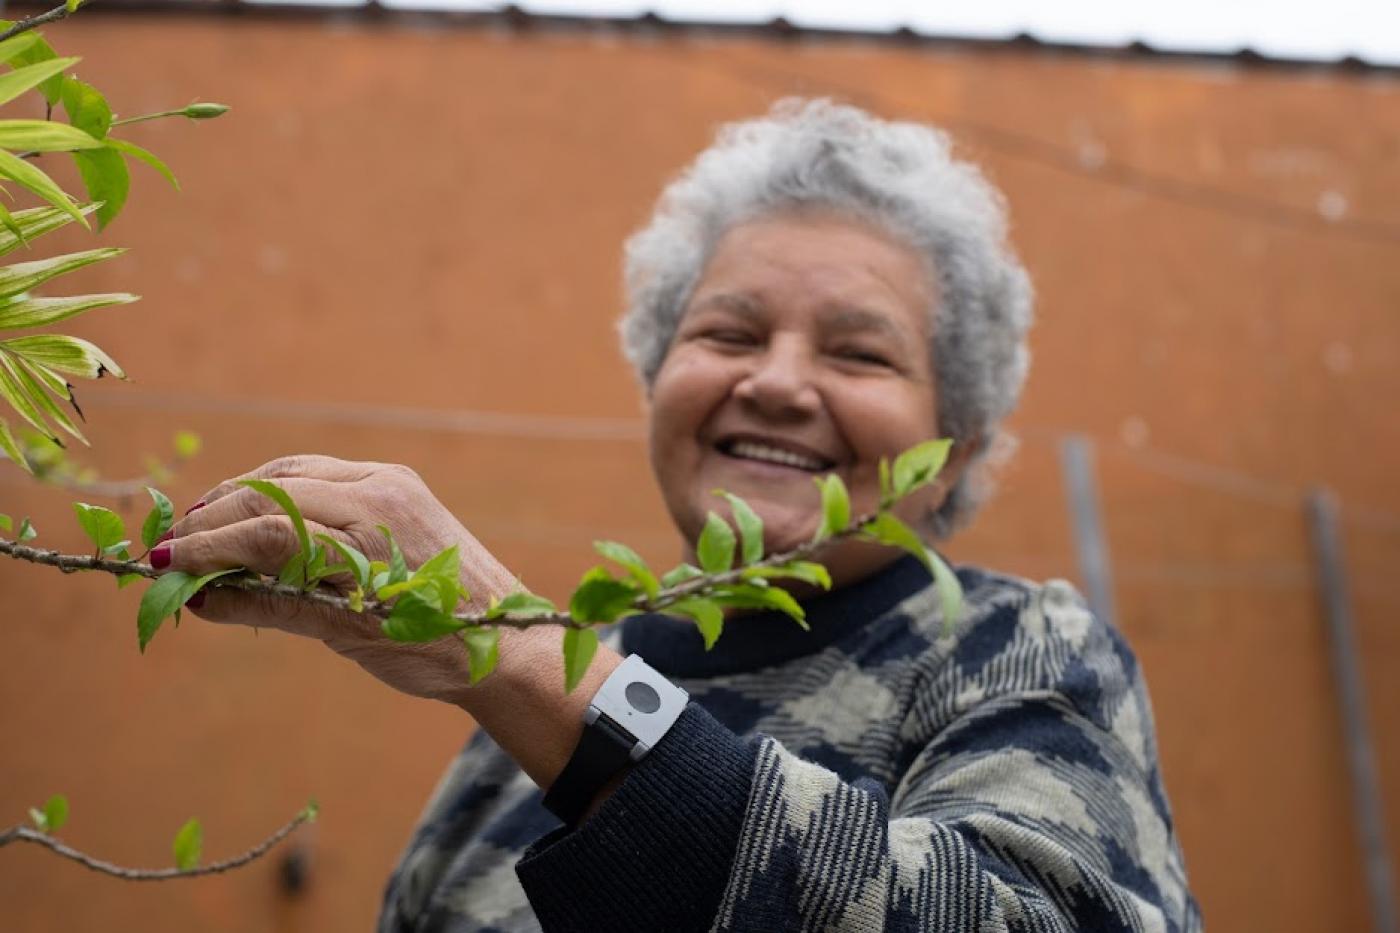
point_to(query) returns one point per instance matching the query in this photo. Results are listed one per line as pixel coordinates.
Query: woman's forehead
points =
(845, 274)
(836, 317)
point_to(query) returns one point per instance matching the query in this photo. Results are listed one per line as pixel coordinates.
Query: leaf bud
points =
(205, 111)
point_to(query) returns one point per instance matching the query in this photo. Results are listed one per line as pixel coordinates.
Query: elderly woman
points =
(820, 290)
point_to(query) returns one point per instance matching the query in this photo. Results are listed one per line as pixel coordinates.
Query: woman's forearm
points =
(524, 708)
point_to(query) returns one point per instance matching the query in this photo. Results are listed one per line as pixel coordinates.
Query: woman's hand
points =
(233, 526)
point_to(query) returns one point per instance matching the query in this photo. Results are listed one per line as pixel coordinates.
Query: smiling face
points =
(803, 350)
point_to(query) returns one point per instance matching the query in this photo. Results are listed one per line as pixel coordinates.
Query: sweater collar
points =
(763, 639)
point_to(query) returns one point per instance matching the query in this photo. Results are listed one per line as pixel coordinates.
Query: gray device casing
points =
(641, 701)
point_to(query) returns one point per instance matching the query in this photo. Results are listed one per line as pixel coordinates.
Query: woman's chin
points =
(784, 533)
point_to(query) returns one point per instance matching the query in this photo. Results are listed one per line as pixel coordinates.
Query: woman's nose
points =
(781, 382)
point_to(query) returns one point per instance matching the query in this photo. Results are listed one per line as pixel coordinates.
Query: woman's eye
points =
(858, 355)
(732, 337)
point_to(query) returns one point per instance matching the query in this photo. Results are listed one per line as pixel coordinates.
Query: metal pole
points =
(1077, 461)
(1361, 760)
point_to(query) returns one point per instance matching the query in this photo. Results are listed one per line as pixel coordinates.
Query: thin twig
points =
(122, 490)
(43, 19)
(254, 583)
(25, 834)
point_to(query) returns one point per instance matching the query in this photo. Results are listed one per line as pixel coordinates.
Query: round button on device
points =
(643, 697)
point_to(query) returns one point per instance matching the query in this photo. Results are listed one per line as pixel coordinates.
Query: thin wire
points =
(494, 423)
(633, 430)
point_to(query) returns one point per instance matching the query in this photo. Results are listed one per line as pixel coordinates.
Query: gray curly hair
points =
(900, 177)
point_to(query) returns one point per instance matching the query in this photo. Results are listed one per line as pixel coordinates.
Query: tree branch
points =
(255, 583)
(25, 834)
(43, 19)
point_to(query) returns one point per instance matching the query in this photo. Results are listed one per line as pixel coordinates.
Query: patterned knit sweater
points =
(872, 774)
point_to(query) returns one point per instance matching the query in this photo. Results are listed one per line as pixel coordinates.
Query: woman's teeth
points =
(750, 450)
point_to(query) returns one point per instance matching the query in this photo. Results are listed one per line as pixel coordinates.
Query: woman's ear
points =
(959, 458)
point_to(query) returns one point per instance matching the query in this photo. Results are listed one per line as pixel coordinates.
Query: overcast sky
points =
(1326, 31)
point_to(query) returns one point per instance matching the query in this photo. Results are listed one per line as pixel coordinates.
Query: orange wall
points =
(401, 223)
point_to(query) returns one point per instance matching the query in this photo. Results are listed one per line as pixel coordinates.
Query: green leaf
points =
(11, 449)
(413, 618)
(600, 597)
(8, 219)
(35, 180)
(101, 525)
(886, 484)
(580, 644)
(55, 813)
(483, 650)
(71, 355)
(26, 531)
(359, 563)
(398, 569)
(106, 178)
(748, 596)
(39, 51)
(187, 444)
(126, 579)
(294, 571)
(919, 466)
(23, 276)
(707, 615)
(520, 605)
(35, 312)
(24, 78)
(678, 575)
(55, 383)
(86, 107)
(311, 811)
(715, 549)
(12, 391)
(950, 592)
(750, 528)
(72, 5)
(45, 136)
(18, 377)
(189, 842)
(134, 151)
(165, 597)
(35, 222)
(316, 567)
(16, 45)
(284, 501)
(446, 563)
(806, 571)
(630, 561)
(389, 590)
(6, 523)
(836, 506)
(161, 517)
(887, 529)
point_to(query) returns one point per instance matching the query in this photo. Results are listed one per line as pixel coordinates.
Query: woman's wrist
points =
(522, 704)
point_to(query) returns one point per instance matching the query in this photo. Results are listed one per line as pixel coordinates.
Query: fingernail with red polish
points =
(195, 601)
(197, 505)
(160, 557)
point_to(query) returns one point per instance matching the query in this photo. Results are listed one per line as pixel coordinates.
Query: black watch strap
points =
(603, 750)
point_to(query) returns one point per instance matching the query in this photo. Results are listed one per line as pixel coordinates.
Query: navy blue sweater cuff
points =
(658, 853)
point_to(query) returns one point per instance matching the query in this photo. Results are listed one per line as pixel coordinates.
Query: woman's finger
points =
(266, 610)
(263, 543)
(311, 466)
(326, 503)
